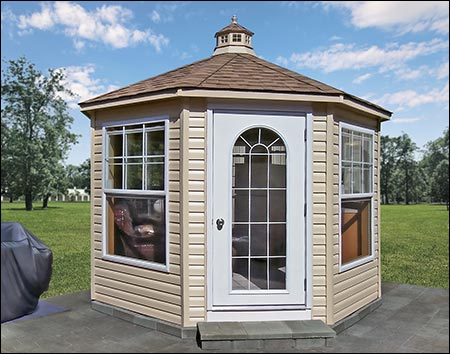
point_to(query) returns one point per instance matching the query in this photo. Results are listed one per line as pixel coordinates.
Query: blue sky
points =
(395, 54)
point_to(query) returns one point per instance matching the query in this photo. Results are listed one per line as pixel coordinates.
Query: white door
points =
(258, 237)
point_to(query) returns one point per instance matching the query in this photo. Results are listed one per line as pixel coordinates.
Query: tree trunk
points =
(45, 201)
(11, 199)
(28, 201)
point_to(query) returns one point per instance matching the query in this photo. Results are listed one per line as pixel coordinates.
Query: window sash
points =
(128, 160)
(357, 183)
(357, 160)
(150, 157)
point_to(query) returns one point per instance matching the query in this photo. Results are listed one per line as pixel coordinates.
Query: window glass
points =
(356, 162)
(135, 161)
(356, 201)
(142, 166)
(355, 230)
(259, 211)
(136, 227)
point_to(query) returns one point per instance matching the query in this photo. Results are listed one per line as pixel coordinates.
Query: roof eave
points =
(346, 100)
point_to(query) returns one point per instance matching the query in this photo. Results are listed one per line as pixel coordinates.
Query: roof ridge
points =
(207, 77)
(287, 72)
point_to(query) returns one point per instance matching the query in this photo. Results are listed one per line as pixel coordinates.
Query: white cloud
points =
(362, 78)
(108, 24)
(404, 120)
(400, 16)
(79, 45)
(79, 80)
(164, 11)
(155, 16)
(442, 71)
(41, 20)
(410, 74)
(347, 56)
(410, 98)
(282, 61)
(335, 38)
(7, 16)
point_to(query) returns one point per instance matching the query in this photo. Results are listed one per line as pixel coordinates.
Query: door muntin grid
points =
(259, 211)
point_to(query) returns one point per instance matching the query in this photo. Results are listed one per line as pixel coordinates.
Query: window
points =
(356, 196)
(135, 193)
(237, 37)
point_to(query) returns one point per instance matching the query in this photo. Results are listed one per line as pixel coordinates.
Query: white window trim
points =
(342, 196)
(138, 193)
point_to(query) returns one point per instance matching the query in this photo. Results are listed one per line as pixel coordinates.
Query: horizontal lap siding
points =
(145, 291)
(319, 156)
(359, 286)
(195, 211)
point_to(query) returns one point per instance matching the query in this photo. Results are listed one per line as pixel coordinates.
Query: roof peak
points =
(234, 38)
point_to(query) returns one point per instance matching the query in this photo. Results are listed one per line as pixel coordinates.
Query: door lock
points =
(219, 223)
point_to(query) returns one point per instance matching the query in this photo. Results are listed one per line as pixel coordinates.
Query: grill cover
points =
(26, 270)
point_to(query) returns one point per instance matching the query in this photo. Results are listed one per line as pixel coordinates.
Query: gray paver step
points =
(215, 335)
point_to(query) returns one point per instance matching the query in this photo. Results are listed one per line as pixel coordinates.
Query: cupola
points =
(234, 38)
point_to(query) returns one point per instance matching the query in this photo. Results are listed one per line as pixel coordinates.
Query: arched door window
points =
(259, 211)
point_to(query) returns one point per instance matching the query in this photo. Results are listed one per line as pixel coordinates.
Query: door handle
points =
(219, 223)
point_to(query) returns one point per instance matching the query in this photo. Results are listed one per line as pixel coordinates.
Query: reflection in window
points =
(259, 211)
(355, 230)
(136, 228)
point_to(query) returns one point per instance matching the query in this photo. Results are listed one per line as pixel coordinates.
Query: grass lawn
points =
(414, 242)
(65, 228)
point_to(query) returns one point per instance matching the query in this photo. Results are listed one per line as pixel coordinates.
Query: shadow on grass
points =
(34, 209)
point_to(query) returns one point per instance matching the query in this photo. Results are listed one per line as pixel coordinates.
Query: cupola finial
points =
(234, 19)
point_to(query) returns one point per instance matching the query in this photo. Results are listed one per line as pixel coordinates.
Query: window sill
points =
(136, 262)
(355, 263)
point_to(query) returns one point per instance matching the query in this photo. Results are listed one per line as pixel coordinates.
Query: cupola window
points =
(237, 37)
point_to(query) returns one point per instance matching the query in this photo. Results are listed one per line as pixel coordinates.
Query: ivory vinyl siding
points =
(319, 265)
(148, 292)
(361, 285)
(337, 295)
(194, 215)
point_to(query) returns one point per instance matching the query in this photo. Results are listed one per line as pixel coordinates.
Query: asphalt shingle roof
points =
(228, 71)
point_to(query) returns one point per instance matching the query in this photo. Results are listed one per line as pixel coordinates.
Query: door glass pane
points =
(258, 240)
(277, 239)
(258, 206)
(259, 164)
(277, 206)
(258, 272)
(277, 273)
(240, 206)
(240, 171)
(259, 211)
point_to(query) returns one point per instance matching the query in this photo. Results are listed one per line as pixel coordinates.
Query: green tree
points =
(435, 162)
(38, 125)
(407, 165)
(80, 176)
(388, 160)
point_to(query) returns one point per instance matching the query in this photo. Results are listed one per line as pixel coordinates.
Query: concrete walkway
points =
(412, 319)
